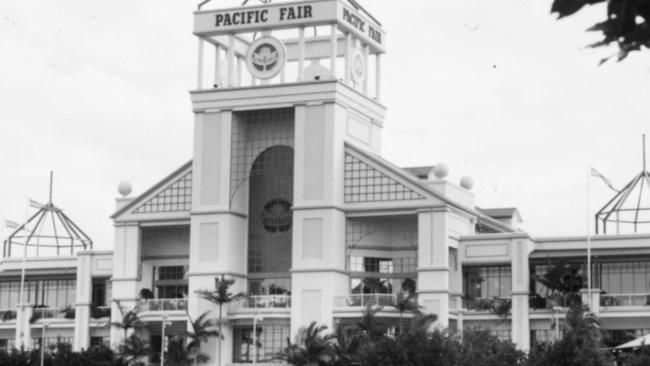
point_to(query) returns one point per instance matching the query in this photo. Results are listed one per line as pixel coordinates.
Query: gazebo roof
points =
(630, 206)
(48, 232)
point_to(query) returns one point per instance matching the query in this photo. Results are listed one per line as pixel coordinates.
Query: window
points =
(50, 293)
(271, 338)
(170, 282)
(98, 341)
(171, 273)
(487, 282)
(101, 292)
(623, 277)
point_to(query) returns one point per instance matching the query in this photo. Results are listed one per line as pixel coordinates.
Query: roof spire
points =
(51, 182)
(644, 166)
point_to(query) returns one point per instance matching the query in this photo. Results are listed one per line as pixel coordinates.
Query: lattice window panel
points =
(176, 198)
(252, 133)
(364, 183)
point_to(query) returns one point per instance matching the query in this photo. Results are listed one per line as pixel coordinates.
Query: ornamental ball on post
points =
(467, 183)
(441, 171)
(124, 188)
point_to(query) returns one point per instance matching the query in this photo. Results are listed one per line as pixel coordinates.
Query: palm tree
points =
(133, 349)
(346, 348)
(201, 332)
(405, 302)
(220, 296)
(311, 347)
(130, 320)
(371, 327)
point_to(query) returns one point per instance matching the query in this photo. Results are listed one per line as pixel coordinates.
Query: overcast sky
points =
(499, 90)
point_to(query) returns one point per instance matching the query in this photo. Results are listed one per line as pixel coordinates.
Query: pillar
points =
(24, 327)
(433, 264)
(520, 293)
(318, 263)
(126, 274)
(83, 302)
(218, 226)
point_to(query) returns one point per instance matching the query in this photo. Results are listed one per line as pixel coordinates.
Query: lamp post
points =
(165, 323)
(255, 319)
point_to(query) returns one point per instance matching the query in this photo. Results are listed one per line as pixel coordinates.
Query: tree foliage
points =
(311, 347)
(626, 23)
(581, 345)
(220, 296)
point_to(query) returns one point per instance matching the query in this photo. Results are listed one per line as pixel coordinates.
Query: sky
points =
(498, 90)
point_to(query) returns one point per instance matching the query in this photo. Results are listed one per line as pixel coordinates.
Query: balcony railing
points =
(51, 313)
(614, 300)
(164, 305)
(263, 302)
(484, 304)
(353, 300)
(7, 315)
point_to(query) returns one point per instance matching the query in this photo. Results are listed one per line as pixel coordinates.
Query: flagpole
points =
(589, 241)
(22, 280)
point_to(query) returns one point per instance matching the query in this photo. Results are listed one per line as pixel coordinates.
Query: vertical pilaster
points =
(433, 264)
(23, 326)
(126, 274)
(520, 294)
(218, 228)
(83, 302)
(318, 270)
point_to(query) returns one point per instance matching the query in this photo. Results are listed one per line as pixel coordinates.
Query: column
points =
(318, 270)
(83, 302)
(520, 293)
(23, 326)
(126, 274)
(218, 224)
(334, 49)
(433, 284)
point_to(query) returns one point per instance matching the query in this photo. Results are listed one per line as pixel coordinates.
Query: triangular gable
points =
(176, 197)
(170, 195)
(366, 182)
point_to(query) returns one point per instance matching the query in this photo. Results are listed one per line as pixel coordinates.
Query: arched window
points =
(270, 221)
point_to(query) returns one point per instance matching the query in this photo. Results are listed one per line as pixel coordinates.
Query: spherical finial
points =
(467, 183)
(124, 188)
(441, 171)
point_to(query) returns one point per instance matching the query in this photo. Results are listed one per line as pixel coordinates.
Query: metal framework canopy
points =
(629, 210)
(48, 232)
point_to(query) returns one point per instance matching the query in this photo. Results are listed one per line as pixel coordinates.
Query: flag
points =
(35, 204)
(596, 173)
(11, 224)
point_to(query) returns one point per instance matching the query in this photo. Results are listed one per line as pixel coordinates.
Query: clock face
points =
(358, 67)
(266, 58)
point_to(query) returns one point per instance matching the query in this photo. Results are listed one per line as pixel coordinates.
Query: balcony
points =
(163, 305)
(261, 303)
(625, 300)
(363, 300)
(495, 305)
(46, 313)
(7, 315)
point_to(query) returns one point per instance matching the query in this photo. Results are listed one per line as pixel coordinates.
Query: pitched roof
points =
(421, 172)
(412, 180)
(139, 199)
(501, 213)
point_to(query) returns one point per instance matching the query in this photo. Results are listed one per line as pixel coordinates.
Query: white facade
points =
(286, 193)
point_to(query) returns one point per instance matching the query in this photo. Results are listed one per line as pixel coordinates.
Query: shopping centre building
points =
(288, 195)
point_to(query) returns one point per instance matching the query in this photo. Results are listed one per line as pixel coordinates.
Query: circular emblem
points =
(266, 57)
(276, 216)
(358, 67)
